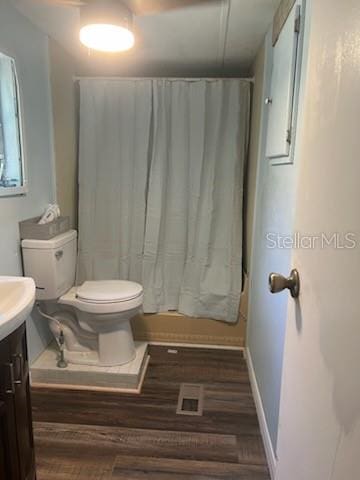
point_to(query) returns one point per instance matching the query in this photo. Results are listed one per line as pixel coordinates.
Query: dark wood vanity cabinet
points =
(17, 459)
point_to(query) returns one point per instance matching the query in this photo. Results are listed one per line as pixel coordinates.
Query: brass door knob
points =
(278, 283)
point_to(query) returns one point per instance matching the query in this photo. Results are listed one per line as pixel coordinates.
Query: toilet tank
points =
(51, 263)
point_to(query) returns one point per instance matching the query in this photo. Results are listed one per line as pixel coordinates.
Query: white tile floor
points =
(45, 371)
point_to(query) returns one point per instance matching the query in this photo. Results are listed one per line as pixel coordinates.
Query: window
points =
(12, 177)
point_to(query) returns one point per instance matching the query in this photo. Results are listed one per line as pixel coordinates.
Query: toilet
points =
(95, 316)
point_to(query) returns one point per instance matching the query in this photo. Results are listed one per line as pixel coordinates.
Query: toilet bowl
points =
(105, 308)
(93, 317)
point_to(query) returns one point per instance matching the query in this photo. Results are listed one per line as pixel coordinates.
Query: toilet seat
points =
(108, 291)
(106, 296)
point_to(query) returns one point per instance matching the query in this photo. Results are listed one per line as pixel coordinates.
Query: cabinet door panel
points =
(282, 88)
(8, 437)
(4, 471)
(23, 414)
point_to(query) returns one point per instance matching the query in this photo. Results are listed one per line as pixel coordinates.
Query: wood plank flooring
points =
(96, 436)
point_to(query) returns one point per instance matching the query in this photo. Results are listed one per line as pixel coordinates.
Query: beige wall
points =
(62, 70)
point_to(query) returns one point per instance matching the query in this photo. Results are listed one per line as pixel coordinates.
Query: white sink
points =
(17, 296)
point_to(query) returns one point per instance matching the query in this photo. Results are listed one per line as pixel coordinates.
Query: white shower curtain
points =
(174, 151)
(115, 119)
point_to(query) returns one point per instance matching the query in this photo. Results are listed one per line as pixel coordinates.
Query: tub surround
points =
(172, 327)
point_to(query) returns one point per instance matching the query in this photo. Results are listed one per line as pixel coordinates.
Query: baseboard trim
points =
(165, 337)
(196, 345)
(270, 454)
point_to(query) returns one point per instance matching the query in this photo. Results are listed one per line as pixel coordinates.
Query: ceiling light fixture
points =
(106, 26)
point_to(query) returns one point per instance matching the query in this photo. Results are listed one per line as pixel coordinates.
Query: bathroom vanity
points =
(17, 460)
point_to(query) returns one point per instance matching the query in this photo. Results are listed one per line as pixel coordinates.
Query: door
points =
(273, 227)
(319, 431)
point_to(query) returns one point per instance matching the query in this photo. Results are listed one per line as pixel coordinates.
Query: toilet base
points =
(116, 347)
(94, 339)
(90, 358)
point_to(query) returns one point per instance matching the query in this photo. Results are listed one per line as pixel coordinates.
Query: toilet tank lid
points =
(53, 243)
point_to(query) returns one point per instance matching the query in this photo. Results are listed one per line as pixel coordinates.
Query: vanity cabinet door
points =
(8, 439)
(3, 465)
(16, 423)
(23, 415)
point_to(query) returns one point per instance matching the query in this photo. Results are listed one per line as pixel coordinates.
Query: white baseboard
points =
(270, 454)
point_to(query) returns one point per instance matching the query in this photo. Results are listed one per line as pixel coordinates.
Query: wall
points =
(274, 213)
(21, 40)
(267, 313)
(62, 71)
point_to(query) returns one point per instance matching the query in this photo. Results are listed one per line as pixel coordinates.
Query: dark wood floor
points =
(97, 436)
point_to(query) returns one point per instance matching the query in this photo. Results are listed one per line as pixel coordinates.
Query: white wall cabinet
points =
(282, 99)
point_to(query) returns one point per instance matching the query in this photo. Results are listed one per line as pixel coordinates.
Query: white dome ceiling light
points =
(106, 26)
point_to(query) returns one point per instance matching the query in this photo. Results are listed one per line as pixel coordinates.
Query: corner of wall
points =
(257, 70)
(63, 99)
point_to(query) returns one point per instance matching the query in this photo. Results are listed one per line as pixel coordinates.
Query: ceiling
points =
(220, 38)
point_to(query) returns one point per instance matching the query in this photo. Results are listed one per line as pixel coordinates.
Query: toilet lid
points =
(109, 291)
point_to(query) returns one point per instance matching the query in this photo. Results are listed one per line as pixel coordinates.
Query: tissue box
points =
(31, 230)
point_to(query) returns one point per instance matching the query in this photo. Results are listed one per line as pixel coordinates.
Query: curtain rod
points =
(188, 79)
